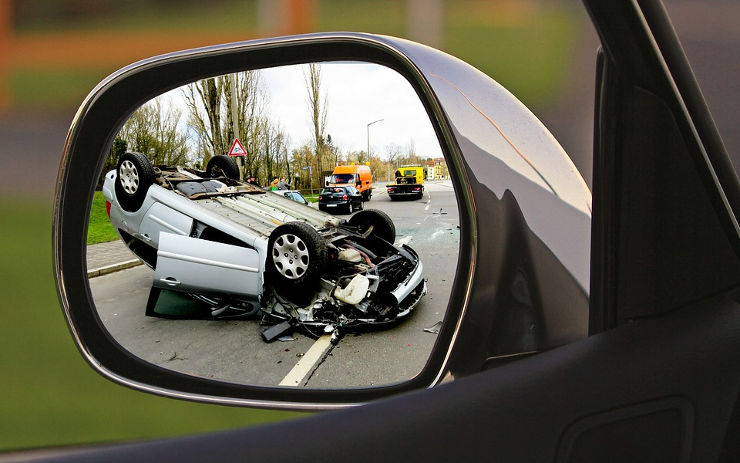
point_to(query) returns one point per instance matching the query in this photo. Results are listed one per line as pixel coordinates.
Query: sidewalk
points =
(104, 258)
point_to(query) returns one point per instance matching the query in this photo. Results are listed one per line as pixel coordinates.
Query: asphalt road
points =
(234, 351)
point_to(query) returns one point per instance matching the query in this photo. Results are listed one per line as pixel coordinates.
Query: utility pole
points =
(368, 136)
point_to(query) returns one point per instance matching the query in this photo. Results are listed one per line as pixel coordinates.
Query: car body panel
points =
(194, 265)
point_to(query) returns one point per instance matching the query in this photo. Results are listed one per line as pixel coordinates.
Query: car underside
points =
(244, 252)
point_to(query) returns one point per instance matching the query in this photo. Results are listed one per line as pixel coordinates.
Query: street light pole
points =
(368, 136)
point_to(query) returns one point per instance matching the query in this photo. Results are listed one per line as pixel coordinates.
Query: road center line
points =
(306, 364)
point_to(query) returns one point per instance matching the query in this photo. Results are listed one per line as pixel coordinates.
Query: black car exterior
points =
(340, 199)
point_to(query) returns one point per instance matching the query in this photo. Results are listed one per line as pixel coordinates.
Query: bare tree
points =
(204, 101)
(210, 102)
(275, 150)
(153, 130)
(303, 160)
(317, 107)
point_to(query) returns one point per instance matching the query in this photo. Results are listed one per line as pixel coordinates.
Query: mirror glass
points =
(293, 226)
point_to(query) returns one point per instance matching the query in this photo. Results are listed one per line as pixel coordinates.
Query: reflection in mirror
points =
(292, 226)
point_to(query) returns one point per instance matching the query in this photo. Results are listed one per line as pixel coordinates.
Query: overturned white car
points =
(243, 250)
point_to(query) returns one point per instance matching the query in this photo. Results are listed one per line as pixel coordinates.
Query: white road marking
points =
(307, 363)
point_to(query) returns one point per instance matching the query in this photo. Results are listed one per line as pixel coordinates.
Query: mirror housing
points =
(522, 277)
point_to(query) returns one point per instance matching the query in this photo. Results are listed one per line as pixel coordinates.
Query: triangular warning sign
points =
(237, 149)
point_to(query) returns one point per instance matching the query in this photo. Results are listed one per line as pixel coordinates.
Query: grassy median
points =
(50, 396)
(99, 230)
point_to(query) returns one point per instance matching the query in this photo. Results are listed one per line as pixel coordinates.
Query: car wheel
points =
(380, 222)
(297, 258)
(361, 206)
(222, 166)
(134, 176)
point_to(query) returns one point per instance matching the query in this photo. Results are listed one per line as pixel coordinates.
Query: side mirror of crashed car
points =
(522, 276)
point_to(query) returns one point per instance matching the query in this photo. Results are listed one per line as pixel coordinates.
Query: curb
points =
(96, 272)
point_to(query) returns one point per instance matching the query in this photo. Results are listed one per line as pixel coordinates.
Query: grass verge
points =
(50, 395)
(99, 230)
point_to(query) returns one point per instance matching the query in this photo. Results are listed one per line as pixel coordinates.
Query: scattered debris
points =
(275, 331)
(350, 255)
(286, 338)
(354, 292)
(434, 329)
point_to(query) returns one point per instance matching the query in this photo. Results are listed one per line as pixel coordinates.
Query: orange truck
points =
(356, 175)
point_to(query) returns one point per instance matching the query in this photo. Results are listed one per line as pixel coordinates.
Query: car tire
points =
(222, 166)
(297, 257)
(134, 176)
(382, 224)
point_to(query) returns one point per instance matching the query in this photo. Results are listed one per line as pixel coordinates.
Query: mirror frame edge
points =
(75, 188)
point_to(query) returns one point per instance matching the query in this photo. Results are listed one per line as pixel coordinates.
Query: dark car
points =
(654, 375)
(340, 199)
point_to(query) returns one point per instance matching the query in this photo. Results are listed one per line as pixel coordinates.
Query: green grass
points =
(312, 198)
(50, 396)
(530, 55)
(528, 49)
(52, 88)
(143, 15)
(99, 230)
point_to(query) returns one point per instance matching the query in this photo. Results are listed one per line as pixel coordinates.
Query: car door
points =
(199, 266)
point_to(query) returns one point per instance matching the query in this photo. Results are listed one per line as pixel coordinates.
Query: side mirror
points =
(504, 255)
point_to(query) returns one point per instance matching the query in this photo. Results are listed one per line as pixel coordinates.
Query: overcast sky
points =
(357, 94)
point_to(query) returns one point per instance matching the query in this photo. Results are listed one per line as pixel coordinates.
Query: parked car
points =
(295, 195)
(654, 378)
(256, 252)
(339, 199)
